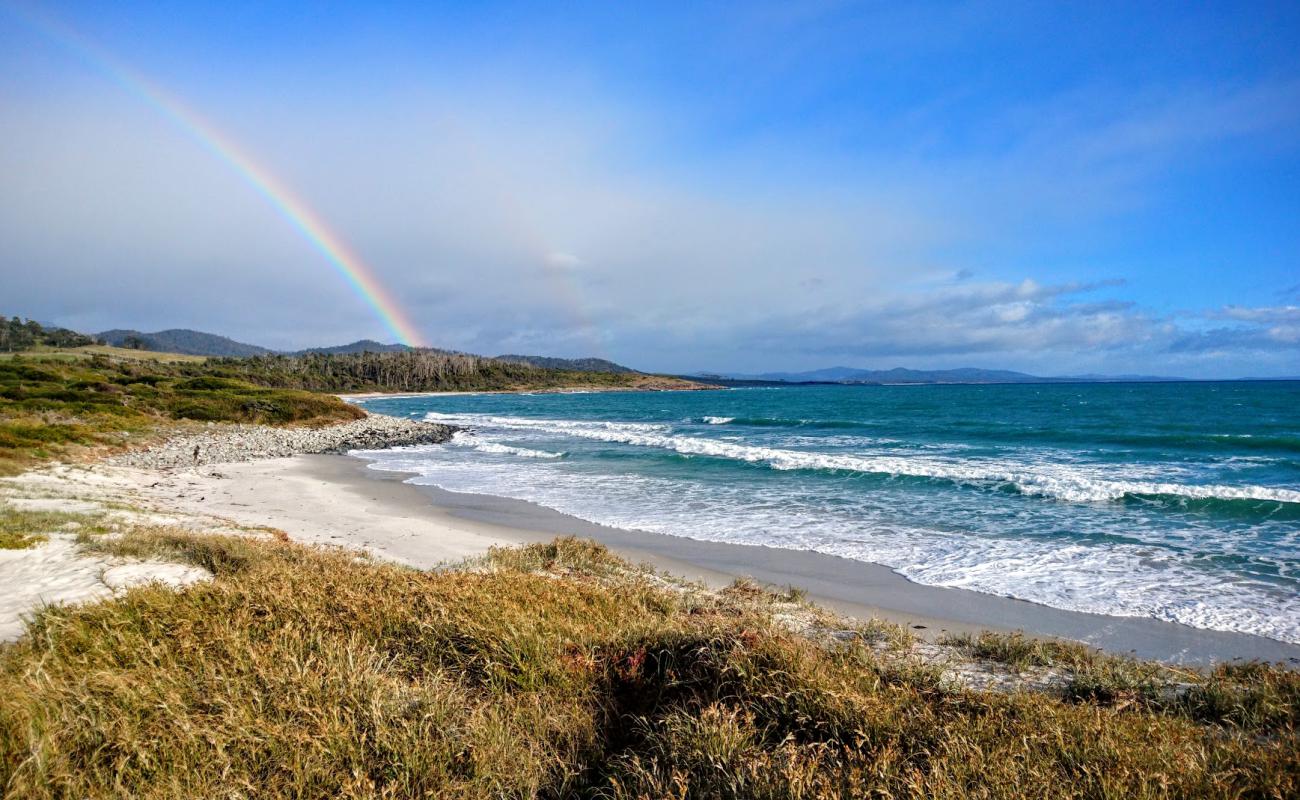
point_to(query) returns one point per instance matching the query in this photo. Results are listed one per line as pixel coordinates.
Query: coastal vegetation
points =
(17, 335)
(558, 670)
(57, 401)
(21, 529)
(51, 408)
(424, 370)
(576, 364)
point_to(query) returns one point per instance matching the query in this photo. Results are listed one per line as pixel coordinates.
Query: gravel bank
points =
(223, 444)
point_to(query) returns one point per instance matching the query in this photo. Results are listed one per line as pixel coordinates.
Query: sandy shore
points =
(338, 500)
(329, 500)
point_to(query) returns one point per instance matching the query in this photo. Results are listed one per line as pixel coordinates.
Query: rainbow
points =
(293, 209)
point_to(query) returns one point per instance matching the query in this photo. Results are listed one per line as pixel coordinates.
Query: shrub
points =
(309, 672)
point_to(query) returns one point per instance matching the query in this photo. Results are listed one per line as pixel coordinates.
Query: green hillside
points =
(181, 340)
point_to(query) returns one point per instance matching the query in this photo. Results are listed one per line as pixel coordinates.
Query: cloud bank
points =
(533, 208)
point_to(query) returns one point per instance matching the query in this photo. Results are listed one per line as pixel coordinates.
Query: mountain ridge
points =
(192, 342)
(359, 346)
(182, 340)
(575, 364)
(200, 343)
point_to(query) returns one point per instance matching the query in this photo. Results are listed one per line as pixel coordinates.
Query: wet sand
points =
(852, 587)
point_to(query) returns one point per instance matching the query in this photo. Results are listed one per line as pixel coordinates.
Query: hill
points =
(571, 364)
(199, 343)
(359, 346)
(423, 370)
(182, 340)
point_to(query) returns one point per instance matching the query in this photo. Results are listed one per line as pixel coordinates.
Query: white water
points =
(1055, 480)
(1146, 574)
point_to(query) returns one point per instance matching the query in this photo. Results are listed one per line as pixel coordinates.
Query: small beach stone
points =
(230, 443)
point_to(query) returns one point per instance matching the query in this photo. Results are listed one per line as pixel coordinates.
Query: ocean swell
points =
(1056, 481)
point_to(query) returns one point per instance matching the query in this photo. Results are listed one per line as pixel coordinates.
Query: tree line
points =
(406, 371)
(17, 335)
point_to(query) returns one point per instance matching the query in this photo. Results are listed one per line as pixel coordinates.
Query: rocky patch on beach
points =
(221, 444)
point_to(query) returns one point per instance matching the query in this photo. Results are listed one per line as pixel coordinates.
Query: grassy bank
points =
(54, 404)
(87, 352)
(58, 408)
(554, 671)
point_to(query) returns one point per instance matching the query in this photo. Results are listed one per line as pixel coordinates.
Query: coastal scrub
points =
(51, 408)
(553, 670)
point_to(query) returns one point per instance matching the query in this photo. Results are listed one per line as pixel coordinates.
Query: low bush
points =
(49, 408)
(301, 672)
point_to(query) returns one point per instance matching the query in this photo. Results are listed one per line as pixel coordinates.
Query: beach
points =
(323, 497)
(1114, 501)
(337, 500)
(315, 597)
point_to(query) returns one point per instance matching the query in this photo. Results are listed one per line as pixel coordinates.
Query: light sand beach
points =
(332, 499)
(337, 500)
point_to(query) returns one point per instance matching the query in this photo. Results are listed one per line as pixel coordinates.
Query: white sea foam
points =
(1057, 481)
(718, 420)
(1127, 579)
(464, 439)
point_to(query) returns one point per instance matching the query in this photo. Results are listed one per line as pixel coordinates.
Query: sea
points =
(1176, 501)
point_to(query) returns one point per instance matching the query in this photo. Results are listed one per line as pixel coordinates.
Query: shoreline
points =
(855, 588)
(338, 500)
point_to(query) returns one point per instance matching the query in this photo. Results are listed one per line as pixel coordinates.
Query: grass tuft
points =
(20, 529)
(1019, 651)
(564, 553)
(302, 671)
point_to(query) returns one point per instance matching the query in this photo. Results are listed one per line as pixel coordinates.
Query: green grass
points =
(550, 671)
(21, 529)
(51, 408)
(1019, 651)
(1252, 697)
(54, 403)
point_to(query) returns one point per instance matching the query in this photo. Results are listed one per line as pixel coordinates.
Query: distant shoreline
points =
(739, 383)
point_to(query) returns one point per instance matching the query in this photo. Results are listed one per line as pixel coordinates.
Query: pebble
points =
(223, 444)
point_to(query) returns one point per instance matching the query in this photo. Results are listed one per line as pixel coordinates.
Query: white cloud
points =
(558, 259)
(539, 217)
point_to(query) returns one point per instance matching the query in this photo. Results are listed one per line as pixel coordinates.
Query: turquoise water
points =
(1174, 501)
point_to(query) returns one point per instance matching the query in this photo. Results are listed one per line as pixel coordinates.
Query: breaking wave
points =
(1056, 481)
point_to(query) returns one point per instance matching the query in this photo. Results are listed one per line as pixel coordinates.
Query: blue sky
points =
(741, 186)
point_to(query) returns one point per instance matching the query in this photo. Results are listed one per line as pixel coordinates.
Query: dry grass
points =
(90, 351)
(302, 672)
(1019, 651)
(1251, 697)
